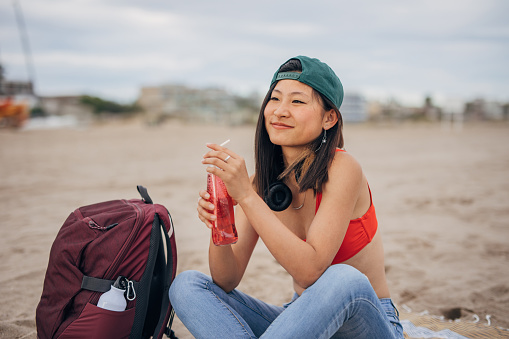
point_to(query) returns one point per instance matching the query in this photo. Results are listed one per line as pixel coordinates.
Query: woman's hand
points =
(231, 168)
(205, 207)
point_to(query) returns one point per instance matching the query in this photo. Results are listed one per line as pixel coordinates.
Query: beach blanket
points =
(427, 326)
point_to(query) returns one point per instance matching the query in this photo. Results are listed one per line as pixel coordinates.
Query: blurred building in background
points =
(481, 109)
(354, 108)
(451, 109)
(66, 105)
(218, 106)
(208, 105)
(214, 105)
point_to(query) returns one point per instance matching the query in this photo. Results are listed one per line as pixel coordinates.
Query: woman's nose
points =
(281, 110)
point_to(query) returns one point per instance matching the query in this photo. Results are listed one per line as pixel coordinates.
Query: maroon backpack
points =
(96, 245)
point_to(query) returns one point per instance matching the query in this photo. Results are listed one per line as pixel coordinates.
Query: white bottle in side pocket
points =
(114, 299)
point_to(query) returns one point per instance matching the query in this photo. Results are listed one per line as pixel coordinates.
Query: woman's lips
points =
(279, 125)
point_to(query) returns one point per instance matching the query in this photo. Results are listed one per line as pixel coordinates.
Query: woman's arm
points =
(304, 261)
(228, 263)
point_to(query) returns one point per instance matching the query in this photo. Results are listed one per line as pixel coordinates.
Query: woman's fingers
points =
(219, 159)
(230, 167)
(205, 217)
(206, 205)
(222, 153)
(204, 208)
(204, 195)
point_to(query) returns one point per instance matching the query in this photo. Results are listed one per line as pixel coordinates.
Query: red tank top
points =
(360, 231)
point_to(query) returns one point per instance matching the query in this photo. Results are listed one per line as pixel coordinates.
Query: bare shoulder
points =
(344, 164)
(345, 176)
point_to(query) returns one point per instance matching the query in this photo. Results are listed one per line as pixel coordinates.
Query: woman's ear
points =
(330, 118)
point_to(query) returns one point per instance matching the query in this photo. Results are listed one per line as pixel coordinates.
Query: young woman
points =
(327, 239)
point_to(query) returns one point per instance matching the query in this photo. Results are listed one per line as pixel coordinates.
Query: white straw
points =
(224, 143)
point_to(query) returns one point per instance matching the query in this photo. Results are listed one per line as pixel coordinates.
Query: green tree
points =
(105, 106)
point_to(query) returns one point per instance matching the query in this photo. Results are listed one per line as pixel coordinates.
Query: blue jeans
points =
(340, 304)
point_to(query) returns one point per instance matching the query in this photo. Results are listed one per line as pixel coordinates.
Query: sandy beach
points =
(441, 195)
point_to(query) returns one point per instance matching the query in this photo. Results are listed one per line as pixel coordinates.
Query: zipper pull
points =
(92, 224)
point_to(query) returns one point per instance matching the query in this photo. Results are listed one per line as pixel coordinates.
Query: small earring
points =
(324, 140)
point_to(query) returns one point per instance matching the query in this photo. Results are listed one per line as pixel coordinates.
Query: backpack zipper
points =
(139, 219)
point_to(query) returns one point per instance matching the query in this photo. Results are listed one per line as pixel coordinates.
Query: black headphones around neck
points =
(278, 196)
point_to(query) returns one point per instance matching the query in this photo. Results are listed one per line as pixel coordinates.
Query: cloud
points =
(375, 47)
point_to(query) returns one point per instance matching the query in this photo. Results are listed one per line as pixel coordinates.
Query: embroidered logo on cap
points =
(288, 75)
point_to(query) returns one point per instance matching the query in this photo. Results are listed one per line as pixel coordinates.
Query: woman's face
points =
(293, 115)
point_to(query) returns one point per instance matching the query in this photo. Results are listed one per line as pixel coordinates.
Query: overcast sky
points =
(381, 49)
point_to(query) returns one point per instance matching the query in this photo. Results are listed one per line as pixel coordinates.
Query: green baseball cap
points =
(316, 74)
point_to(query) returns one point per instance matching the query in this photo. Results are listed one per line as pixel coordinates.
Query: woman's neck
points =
(290, 154)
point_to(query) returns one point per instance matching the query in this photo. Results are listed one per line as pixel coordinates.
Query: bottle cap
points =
(120, 283)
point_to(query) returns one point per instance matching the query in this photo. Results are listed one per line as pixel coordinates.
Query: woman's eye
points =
(274, 99)
(298, 102)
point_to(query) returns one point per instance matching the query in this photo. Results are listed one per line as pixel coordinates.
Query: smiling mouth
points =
(279, 125)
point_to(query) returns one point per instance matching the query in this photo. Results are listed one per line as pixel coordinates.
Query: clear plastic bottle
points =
(114, 299)
(223, 229)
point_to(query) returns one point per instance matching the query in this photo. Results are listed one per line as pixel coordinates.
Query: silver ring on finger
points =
(226, 159)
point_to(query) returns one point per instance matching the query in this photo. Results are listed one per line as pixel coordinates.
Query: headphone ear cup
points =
(278, 196)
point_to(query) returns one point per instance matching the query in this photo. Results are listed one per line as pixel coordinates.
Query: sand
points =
(442, 199)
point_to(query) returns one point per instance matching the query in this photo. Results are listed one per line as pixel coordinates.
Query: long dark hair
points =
(311, 168)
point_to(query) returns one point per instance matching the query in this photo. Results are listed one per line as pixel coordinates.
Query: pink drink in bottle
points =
(223, 228)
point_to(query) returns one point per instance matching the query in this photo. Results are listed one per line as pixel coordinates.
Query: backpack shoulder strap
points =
(166, 318)
(146, 280)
